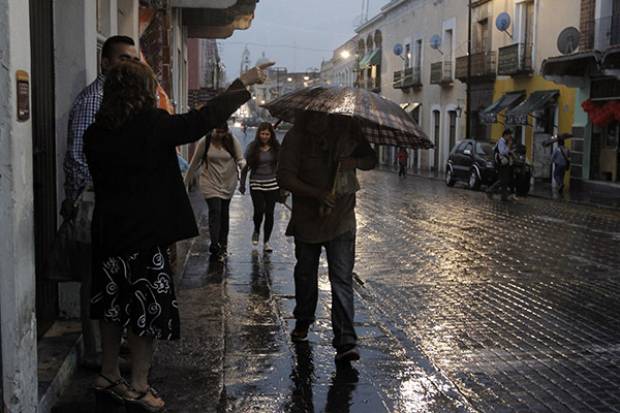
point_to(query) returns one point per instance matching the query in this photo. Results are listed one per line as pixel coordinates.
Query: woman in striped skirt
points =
(262, 162)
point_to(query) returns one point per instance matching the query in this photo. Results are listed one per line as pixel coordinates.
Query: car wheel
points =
(449, 177)
(474, 181)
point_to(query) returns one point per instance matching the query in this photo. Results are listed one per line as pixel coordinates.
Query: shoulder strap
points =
(207, 145)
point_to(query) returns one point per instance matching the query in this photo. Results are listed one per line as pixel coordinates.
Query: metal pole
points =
(468, 90)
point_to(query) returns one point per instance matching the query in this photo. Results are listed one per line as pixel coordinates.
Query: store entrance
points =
(605, 161)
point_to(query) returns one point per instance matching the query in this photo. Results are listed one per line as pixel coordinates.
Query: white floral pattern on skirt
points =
(137, 291)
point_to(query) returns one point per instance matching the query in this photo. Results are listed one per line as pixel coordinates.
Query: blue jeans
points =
(340, 259)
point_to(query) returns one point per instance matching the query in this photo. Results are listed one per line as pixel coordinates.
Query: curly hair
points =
(255, 149)
(129, 89)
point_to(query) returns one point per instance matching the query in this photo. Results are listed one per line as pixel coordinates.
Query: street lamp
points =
(306, 78)
(290, 79)
(345, 54)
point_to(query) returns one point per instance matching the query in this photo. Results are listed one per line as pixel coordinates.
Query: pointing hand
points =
(256, 74)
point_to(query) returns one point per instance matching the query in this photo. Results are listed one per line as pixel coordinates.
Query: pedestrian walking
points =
(141, 207)
(262, 161)
(314, 152)
(560, 159)
(402, 157)
(78, 182)
(503, 164)
(221, 155)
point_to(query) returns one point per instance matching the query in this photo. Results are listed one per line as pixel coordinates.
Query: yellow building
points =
(524, 34)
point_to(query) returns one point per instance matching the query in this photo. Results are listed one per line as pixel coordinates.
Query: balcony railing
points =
(441, 73)
(515, 59)
(410, 77)
(398, 79)
(482, 65)
(373, 84)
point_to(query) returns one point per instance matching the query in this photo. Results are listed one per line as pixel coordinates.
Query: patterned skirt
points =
(136, 291)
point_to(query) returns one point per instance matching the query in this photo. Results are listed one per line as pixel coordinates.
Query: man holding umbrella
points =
(320, 150)
(334, 127)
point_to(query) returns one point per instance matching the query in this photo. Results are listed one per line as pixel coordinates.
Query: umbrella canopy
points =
(382, 121)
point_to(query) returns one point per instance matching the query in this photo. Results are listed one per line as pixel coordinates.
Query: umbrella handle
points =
(275, 125)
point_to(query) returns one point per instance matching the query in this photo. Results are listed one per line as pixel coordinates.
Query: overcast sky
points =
(297, 34)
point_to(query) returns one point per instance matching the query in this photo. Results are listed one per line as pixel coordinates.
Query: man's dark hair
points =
(507, 132)
(109, 44)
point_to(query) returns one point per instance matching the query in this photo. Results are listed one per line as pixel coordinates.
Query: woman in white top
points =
(222, 158)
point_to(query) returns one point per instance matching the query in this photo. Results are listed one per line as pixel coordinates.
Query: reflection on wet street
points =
(462, 305)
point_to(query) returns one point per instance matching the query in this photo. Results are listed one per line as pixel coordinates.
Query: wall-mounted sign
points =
(23, 95)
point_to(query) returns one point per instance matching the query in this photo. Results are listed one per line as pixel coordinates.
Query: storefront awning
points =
(218, 23)
(536, 101)
(508, 101)
(372, 58)
(571, 70)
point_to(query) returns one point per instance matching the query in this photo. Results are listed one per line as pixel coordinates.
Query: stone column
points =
(17, 273)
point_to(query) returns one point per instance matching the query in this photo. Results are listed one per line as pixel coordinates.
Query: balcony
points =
(515, 59)
(410, 77)
(398, 79)
(483, 66)
(441, 73)
(373, 84)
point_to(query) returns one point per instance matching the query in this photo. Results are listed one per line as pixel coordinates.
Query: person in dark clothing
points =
(503, 163)
(313, 154)
(561, 162)
(262, 161)
(402, 158)
(141, 207)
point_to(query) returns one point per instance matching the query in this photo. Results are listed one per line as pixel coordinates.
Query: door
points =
(436, 120)
(44, 156)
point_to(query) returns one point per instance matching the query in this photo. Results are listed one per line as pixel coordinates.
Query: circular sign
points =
(435, 41)
(398, 49)
(502, 22)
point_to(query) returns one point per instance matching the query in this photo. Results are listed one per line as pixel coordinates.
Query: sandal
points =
(104, 395)
(139, 405)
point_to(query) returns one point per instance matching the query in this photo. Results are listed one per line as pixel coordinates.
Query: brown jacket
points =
(307, 169)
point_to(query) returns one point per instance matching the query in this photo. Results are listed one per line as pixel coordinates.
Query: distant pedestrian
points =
(322, 218)
(78, 181)
(561, 162)
(222, 158)
(141, 207)
(503, 163)
(402, 157)
(262, 162)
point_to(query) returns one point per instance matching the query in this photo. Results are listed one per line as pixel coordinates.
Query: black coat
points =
(140, 199)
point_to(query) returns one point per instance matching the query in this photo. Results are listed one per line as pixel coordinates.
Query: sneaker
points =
(255, 239)
(347, 353)
(300, 333)
(267, 247)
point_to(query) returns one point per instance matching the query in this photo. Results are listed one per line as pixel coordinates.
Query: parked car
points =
(471, 162)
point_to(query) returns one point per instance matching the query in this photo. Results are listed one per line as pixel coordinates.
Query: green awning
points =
(372, 58)
(536, 101)
(507, 101)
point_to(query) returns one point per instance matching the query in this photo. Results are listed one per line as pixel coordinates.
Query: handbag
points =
(69, 260)
(85, 205)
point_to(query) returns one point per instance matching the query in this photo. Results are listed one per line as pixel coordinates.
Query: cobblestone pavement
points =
(516, 303)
